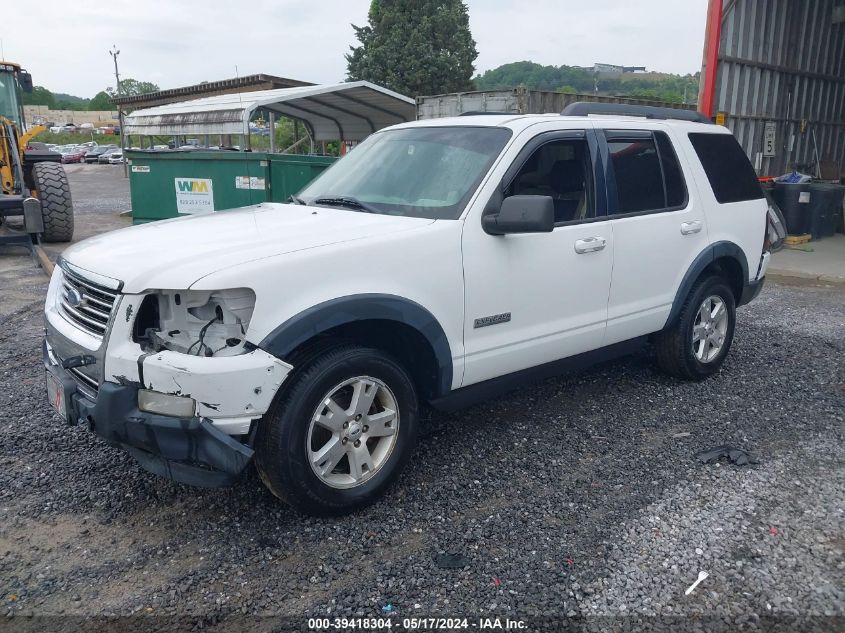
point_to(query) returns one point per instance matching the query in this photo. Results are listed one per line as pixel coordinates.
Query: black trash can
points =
(794, 202)
(823, 200)
(836, 196)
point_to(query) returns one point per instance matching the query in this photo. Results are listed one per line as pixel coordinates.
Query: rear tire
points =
(325, 450)
(696, 345)
(53, 191)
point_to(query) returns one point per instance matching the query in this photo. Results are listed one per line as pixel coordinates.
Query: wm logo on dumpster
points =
(192, 186)
(194, 195)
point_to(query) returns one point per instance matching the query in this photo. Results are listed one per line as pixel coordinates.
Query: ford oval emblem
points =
(74, 298)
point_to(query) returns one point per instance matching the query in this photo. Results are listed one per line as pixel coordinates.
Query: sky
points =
(181, 42)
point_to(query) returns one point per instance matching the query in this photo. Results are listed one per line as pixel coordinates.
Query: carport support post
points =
(272, 122)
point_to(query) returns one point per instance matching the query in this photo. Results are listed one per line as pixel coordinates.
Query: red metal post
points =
(711, 57)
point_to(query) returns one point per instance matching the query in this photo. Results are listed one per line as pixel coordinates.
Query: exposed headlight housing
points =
(197, 322)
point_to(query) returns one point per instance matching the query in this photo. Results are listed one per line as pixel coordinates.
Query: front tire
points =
(53, 191)
(696, 345)
(340, 433)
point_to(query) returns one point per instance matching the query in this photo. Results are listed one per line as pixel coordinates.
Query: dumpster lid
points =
(350, 111)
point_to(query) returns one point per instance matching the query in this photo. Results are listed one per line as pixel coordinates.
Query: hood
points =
(173, 254)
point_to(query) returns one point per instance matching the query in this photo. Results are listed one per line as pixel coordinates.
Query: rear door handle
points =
(688, 228)
(590, 244)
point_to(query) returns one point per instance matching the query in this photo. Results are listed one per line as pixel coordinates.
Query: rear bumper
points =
(188, 450)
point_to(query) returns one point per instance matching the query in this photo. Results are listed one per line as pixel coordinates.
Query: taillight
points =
(775, 231)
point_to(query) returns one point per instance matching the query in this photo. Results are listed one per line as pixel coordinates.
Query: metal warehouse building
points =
(774, 73)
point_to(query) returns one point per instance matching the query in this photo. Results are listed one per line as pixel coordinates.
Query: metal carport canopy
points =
(349, 111)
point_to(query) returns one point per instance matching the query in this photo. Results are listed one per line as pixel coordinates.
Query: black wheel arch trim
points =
(709, 255)
(364, 307)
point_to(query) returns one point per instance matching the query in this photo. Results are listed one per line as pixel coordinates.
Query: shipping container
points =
(518, 101)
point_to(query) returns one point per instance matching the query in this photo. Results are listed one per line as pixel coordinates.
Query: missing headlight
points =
(201, 323)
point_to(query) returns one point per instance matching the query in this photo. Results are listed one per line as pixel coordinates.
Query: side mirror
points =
(522, 214)
(25, 80)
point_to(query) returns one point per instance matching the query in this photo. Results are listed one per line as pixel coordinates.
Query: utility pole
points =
(114, 52)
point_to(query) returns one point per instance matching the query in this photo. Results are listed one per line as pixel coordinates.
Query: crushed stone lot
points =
(579, 496)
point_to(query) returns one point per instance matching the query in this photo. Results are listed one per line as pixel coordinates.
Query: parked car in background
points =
(64, 127)
(116, 158)
(103, 159)
(74, 155)
(93, 155)
(86, 126)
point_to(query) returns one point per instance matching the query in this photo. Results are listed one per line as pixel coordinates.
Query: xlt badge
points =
(494, 319)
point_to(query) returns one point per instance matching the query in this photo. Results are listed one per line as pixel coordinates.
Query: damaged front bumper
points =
(100, 376)
(188, 450)
(200, 450)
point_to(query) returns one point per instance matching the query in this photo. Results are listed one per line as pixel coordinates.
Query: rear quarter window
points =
(728, 169)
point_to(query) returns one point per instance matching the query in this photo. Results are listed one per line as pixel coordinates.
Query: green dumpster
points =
(169, 184)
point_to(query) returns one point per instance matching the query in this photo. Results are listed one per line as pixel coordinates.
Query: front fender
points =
(336, 312)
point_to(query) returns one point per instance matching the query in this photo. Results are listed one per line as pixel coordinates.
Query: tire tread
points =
(284, 478)
(670, 345)
(56, 203)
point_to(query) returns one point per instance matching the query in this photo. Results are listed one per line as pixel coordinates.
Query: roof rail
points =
(583, 108)
(486, 112)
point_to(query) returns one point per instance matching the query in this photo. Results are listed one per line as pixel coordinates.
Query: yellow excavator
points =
(33, 183)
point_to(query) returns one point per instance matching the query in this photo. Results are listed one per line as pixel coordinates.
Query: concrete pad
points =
(823, 260)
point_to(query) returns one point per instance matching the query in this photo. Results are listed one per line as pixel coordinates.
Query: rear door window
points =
(644, 172)
(728, 169)
(639, 183)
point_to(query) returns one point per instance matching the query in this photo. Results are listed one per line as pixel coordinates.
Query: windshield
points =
(8, 97)
(424, 172)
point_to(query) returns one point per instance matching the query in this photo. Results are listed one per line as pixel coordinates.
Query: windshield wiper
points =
(346, 201)
(296, 200)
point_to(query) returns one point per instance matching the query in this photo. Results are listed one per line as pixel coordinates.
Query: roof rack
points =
(584, 108)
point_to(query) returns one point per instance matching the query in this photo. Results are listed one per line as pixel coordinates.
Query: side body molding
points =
(709, 255)
(336, 312)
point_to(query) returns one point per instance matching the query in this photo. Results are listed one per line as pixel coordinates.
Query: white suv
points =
(439, 261)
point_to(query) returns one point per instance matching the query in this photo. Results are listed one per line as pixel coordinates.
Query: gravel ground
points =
(579, 496)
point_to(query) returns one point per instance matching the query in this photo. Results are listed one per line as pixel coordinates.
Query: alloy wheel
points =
(710, 329)
(353, 432)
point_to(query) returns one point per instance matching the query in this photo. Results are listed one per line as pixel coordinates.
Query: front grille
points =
(94, 310)
(87, 385)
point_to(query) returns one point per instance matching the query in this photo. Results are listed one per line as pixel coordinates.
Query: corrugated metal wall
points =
(784, 61)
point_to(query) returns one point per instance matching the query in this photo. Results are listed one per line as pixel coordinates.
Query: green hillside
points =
(663, 86)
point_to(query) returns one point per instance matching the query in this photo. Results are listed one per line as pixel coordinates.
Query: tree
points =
(130, 87)
(101, 101)
(40, 96)
(415, 47)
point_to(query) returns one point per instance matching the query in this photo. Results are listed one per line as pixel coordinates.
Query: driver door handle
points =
(688, 228)
(590, 245)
